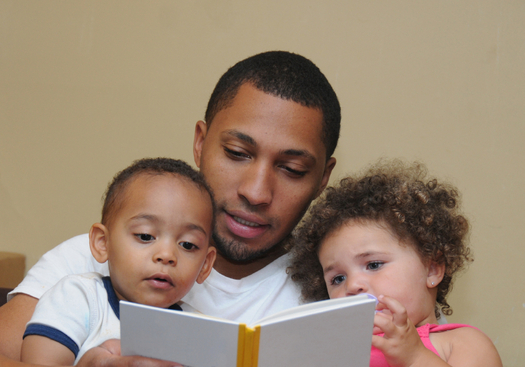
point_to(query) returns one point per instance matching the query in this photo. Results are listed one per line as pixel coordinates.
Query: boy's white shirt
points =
(244, 300)
(78, 307)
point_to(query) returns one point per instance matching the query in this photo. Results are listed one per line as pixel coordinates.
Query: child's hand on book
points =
(400, 343)
(108, 354)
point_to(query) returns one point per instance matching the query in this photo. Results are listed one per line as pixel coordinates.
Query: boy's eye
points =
(144, 237)
(374, 265)
(188, 245)
(338, 279)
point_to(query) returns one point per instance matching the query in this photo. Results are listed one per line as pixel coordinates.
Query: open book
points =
(335, 332)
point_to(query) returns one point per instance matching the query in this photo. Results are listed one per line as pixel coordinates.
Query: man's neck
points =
(239, 270)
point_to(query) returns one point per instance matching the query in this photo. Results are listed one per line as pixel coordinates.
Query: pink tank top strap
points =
(425, 331)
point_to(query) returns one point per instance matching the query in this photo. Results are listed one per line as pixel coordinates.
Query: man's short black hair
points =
(285, 75)
(113, 198)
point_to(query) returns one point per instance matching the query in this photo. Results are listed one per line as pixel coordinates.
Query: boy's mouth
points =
(161, 280)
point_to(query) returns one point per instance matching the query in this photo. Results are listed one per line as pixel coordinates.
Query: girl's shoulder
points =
(463, 345)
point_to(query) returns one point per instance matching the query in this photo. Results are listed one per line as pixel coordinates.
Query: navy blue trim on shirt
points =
(114, 301)
(112, 296)
(53, 334)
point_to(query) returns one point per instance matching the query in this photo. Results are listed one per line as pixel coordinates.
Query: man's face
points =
(265, 161)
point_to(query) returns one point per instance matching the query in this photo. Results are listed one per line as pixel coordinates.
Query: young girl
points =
(397, 235)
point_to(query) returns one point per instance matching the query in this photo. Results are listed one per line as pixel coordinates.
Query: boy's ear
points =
(436, 272)
(198, 140)
(98, 242)
(208, 264)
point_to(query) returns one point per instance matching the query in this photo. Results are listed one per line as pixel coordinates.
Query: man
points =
(272, 124)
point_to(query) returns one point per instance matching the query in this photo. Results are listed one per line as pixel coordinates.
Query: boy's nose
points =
(165, 256)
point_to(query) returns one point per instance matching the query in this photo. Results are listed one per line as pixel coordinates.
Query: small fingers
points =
(399, 312)
(385, 323)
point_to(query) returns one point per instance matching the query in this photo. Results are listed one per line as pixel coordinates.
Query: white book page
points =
(340, 338)
(193, 340)
(312, 308)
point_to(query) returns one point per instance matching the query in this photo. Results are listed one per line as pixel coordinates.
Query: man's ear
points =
(198, 141)
(98, 242)
(330, 164)
(208, 264)
(436, 272)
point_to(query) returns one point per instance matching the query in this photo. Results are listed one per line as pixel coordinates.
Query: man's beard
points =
(236, 251)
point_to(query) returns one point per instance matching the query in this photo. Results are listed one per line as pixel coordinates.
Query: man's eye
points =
(235, 154)
(294, 172)
(188, 245)
(338, 279)
(374, 265)
(144, 237)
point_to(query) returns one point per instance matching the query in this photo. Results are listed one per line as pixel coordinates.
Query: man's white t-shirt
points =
(246, 300)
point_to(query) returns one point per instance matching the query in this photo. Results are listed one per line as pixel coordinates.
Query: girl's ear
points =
(208, 264)
(98, 242)
(436, 272)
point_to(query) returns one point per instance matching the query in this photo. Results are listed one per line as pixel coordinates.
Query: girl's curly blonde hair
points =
(419, 210)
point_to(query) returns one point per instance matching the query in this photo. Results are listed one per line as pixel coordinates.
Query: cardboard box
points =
(12, 268)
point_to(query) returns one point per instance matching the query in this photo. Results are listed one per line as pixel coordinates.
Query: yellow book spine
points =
(248, 346)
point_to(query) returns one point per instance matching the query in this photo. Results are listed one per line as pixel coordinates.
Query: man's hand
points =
(108, 355)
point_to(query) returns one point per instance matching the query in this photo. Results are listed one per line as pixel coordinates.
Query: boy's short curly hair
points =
(114, 195)
(420, 211)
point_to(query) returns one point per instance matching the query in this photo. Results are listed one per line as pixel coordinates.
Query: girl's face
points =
(367, 258)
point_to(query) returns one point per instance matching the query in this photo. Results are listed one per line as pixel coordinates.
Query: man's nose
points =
(257, 185)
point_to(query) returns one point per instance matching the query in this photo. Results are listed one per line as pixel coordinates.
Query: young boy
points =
(155, 232)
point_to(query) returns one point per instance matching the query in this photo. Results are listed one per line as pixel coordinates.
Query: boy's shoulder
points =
(80, 286)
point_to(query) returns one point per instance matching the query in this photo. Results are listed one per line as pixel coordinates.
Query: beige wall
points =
(88, 86)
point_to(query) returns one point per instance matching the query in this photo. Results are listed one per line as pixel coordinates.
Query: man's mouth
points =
(244, 228)
(245, 222)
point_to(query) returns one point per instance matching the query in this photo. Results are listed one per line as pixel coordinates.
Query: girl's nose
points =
(356, 286)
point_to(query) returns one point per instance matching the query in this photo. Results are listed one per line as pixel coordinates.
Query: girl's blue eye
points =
(374, 265)
(338, 279)
(144, 237)
(188, 245)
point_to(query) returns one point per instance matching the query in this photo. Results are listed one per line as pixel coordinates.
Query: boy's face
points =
(366, 258)
(157, 244)
(265, 161)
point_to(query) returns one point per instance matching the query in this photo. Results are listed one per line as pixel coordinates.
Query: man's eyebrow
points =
(246, 138)
(249, 140)
(298, 153)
